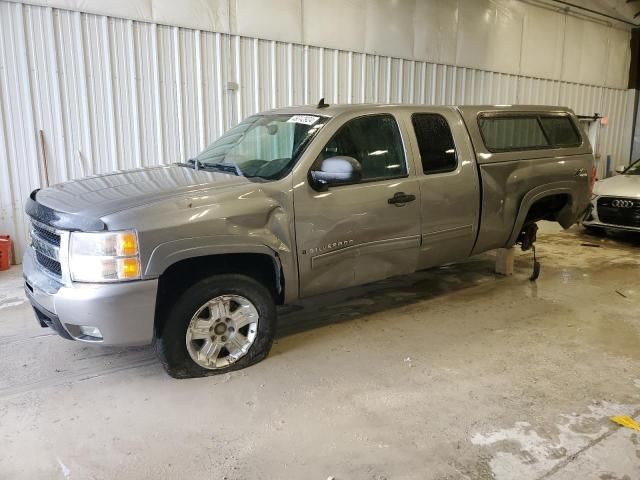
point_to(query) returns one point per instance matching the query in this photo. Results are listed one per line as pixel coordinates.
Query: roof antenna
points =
(321, 103)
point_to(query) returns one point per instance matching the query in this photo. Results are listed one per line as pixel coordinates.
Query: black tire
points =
(170, 341)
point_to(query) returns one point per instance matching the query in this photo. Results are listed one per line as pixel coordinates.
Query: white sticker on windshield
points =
(304, 119)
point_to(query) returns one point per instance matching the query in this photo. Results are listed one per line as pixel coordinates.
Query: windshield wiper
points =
(227, 167)
(193, 163)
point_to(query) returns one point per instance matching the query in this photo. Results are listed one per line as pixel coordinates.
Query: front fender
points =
(168, 253)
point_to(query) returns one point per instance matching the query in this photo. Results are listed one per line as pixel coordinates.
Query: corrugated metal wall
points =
(114, 94)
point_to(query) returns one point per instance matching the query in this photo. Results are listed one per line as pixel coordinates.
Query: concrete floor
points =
(453, 373)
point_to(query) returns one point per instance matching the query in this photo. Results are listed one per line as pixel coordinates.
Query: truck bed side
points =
(524, 186)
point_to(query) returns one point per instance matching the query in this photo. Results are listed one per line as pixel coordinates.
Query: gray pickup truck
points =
(194, 257)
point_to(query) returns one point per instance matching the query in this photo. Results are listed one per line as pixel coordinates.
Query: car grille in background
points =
(45, 241)
(619, 211)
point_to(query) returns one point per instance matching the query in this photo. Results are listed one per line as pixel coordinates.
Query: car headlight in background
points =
(104, 257)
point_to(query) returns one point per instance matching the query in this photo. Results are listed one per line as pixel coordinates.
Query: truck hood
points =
(619, 186)
(105, 194)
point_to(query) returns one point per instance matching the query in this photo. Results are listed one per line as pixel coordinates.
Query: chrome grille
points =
(46, 243)
(49, 264)
(48, 235)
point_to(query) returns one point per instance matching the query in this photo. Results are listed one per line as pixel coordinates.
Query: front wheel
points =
(220, 324)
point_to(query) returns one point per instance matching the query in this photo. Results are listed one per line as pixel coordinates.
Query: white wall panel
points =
(543, 32)
(618, 57)
(112, 94)
(388, 27)
(274, 19)
(508, 36)
(131, 9)
(489, 35)
(475, 20)
(20, 137)
(197, 14)
(435, 26)
(321, 25)
(505, 42)
(585, 56)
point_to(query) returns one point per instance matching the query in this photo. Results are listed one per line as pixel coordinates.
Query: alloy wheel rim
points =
(221, 331)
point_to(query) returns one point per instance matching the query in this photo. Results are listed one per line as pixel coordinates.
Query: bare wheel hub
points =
(222, 331)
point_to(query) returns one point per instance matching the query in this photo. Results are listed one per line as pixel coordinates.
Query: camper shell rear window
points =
(507, 133)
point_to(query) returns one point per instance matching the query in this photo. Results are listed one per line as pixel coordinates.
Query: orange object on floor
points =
(5, 252)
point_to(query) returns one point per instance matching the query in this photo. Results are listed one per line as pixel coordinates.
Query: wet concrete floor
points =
(452, 373)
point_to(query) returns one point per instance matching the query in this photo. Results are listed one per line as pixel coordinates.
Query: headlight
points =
(104, 256)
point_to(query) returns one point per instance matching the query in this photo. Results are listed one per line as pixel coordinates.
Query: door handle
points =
(400, 198)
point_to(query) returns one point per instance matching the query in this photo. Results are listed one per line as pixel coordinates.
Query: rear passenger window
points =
(375, 142)
(560, 131)
(437, 150)
(503, 133)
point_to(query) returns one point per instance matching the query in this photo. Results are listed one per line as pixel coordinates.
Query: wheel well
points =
(181, 275)
(547, 208)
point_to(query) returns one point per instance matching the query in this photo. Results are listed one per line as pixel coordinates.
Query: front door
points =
(359, 233)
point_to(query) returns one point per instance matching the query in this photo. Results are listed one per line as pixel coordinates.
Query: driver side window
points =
(374, 142)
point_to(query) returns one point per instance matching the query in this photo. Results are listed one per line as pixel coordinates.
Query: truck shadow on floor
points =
(404, 291)
(358, 302)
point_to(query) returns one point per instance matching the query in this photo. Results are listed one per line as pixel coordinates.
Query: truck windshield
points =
(634, 169)
(264, 146)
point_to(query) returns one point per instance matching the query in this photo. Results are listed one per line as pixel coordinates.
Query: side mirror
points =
(333, 171)
(620, 168)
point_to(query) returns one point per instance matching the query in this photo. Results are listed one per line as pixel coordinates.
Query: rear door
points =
(447, 176)
(352, 234)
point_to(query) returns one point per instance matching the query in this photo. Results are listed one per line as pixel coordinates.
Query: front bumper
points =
(123, 312)
(591, 219)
